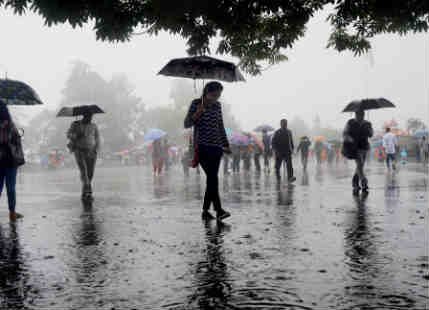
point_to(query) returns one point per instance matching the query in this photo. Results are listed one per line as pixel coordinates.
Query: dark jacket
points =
(304, 146)
(360, 132)
(11, 140)
(283, 141)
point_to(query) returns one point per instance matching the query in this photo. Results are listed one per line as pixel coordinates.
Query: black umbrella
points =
(17, 93)
(79, 110)
(368, 104)
(202, 67)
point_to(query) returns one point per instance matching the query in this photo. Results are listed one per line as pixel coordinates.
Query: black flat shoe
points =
(207, 216)
(221, 215)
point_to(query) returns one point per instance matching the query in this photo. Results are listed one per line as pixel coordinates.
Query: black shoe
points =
(222, 215)
(355, 182)
(207, 216)
(291, 180)
(365, 185)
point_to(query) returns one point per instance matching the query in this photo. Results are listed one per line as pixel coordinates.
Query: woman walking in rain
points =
(356, 134)
(205, 115)
(85, 143)
(10, 147)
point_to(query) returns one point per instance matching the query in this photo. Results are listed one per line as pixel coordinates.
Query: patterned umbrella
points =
(17, 93)
(202, 67)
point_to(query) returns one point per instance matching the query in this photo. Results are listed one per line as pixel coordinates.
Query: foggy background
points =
(315, 80)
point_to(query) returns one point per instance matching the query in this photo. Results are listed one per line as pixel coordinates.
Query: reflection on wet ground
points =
(141, 243)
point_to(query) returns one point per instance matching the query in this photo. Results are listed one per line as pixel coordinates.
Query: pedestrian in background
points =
(356, 135)
(390, 144)
(283, 149)
(85, 143)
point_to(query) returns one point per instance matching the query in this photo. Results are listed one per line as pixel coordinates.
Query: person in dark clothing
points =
(235, 158)
(283, 149)
(9, 138)
(205, 115)
(304, 147)
(357, 132)
(257, 151)
(266, 140)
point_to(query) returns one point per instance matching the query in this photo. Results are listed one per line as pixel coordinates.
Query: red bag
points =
(195, 161)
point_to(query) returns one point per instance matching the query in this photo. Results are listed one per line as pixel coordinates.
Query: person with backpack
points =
(283, 149)
(356, 146)
(85, 144)
(11, 157)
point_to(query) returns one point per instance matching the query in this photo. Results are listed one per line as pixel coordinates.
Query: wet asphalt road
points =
(142, 244)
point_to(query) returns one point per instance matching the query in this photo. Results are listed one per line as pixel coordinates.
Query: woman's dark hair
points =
(211, 87)
(4, 113)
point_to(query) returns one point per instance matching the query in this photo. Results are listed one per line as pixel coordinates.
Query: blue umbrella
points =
(154, 134)
(262, 128)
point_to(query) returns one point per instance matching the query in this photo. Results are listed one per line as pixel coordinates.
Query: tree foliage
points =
(254, 31)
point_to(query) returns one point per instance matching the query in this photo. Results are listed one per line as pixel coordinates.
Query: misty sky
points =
(314, 81)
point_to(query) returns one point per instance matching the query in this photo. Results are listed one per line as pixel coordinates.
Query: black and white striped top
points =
(209, 129)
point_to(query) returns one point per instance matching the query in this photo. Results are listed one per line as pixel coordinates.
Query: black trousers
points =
(210, 157)
(288, 159)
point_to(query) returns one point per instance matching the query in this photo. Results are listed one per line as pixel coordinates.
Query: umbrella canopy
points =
(154, 134)
(17, 93)
(421, 133)
(202, 67)
(262, 128)
(237, 138)
(79, 110)
(368, 104)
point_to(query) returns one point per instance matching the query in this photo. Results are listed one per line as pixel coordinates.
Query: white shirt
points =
(389, 143)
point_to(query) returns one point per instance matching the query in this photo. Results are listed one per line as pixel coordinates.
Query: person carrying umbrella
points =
(283, 149)
(205, 115)
(356, 133)
(10, 147)
(85, 143)
(304, 147)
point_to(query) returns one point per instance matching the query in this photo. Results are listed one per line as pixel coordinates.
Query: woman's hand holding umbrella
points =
(200, 111)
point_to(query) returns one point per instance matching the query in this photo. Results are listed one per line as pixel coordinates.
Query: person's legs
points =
(289, 167)
(278, 164)
(2, 178)
(10, 176)
(257, 162)
(210, 161)
(388, 161)
(360, 169)
(83, 169)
